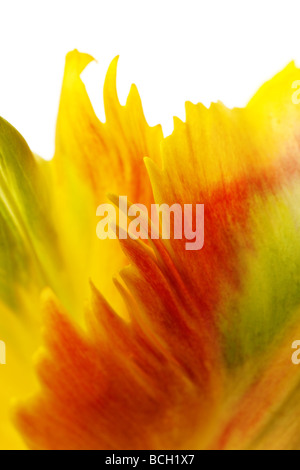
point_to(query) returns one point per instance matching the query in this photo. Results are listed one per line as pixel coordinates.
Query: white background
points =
(173, 50)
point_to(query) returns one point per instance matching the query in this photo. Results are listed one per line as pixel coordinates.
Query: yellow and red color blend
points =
(145, 345)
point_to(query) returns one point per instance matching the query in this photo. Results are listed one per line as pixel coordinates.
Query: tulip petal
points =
(192, 364)
(28, 259)
(92, 159)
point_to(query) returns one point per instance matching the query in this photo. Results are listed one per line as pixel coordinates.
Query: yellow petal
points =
(91, 159)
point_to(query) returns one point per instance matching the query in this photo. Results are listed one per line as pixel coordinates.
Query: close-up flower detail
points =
(140, 343)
